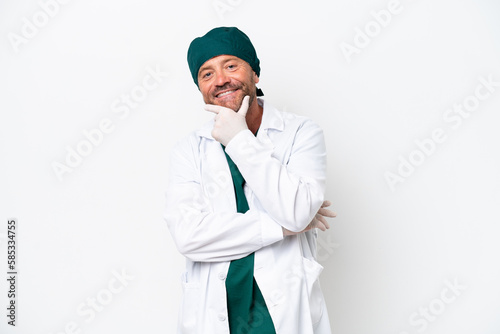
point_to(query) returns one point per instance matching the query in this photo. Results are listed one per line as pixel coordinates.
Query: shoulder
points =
(194, 138)
(302, 122)
(286, 121)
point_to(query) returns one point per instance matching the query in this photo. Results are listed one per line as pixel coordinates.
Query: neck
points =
(254, 116)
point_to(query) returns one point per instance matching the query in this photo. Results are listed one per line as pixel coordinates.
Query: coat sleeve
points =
(201, 234)
(290, 192)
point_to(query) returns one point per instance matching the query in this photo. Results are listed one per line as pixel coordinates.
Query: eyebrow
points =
(208, 67)
(204, 68)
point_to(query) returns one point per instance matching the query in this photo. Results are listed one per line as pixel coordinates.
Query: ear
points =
(255, 78)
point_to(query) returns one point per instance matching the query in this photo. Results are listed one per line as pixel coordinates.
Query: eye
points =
(231, 66)
(206, 75)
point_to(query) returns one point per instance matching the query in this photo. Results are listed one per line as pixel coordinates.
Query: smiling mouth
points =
(225, 93)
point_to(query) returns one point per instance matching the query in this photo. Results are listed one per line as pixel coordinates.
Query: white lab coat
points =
(285, 172)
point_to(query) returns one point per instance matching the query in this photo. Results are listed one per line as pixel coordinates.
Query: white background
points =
(389, 252)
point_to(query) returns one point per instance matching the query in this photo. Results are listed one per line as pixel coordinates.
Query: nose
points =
(221, 78)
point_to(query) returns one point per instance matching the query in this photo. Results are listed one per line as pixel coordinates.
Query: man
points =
(244, 200)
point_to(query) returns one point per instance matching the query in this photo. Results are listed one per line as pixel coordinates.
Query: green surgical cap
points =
(221, 41)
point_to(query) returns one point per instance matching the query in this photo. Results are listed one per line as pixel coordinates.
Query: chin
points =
(233, 104)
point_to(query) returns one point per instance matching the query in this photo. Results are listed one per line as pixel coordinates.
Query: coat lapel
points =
(216, 177)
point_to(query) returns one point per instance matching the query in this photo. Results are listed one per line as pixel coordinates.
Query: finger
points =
(244, 106)
(327, 213)
(323, 221)
(326, 203)
(320, 225)
(213, 108)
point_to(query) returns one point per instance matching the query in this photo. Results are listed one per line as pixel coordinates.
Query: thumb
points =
(244, 106)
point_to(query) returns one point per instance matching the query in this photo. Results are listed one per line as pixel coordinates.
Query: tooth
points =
(225, 93)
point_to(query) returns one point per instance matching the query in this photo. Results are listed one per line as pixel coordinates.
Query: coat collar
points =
(271, 119)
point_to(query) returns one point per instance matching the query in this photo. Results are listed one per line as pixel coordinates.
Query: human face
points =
(225, 80)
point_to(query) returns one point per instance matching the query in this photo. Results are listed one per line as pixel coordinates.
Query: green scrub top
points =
(247, 310)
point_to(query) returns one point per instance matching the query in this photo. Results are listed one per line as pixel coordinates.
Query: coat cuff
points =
(271, 231)
(243, 147)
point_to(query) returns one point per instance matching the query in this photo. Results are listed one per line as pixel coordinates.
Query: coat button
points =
(222, 317)
(222, 276)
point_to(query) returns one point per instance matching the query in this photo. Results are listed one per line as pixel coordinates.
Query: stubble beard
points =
(236, 103)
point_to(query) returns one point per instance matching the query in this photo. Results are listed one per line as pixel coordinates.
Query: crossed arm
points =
(291, 196)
